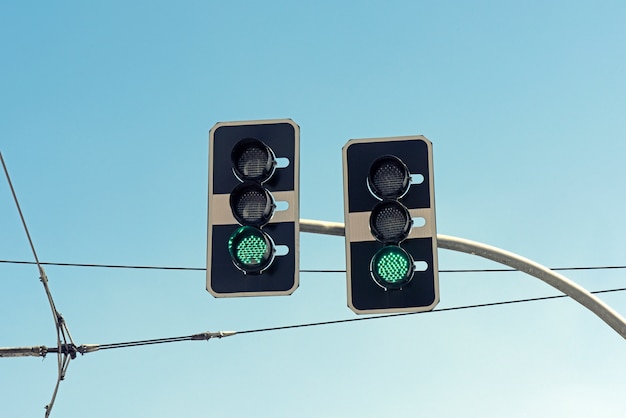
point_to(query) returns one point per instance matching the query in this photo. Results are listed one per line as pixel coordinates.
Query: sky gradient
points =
(104, 122)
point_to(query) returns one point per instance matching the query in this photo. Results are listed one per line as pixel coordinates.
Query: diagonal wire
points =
(63, 334)
(208, 335)
(453, 308)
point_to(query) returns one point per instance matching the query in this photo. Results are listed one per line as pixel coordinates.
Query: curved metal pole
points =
(323, 227)
(556, 280)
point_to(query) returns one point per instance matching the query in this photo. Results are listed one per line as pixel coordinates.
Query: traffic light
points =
(391, 238)
(253, 208)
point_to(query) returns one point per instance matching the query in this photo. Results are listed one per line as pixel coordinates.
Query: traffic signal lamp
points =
(253, 216)
(391, 239)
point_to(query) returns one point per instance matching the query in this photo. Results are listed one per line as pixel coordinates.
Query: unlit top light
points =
(253, 160)
(389, 178)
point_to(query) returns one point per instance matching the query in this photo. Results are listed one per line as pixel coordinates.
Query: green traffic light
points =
(251, 250)
(392, 267)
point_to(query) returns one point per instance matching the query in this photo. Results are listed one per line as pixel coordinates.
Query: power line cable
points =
(112, 266)
(455, 308)
(201, 336)
(120, 266)
(208, 335)
(62, 331)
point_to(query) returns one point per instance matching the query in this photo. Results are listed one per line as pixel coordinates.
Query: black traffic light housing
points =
(253, 208)
(391, 238)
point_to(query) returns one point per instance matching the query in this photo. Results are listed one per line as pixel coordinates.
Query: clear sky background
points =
(105, 111)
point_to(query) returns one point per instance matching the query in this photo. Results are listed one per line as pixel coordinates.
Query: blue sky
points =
(104, 118)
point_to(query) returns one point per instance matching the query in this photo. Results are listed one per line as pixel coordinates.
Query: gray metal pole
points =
(322, 227)
(556, 280)
(37, 351)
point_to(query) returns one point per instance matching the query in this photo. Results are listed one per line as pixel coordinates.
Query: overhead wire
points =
(455, 308)
(89, 348)
(62, 332)
(143, 342)
(181, 268)
(207, 336)
(195, 337)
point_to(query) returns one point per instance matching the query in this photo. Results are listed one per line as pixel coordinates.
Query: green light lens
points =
(392, 267)
(251, 250)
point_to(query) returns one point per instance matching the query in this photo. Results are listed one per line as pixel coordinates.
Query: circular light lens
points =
(392, 267)
(390, 222)
(388, 178)
(251, 250)
(252, 204)
(253, 160)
